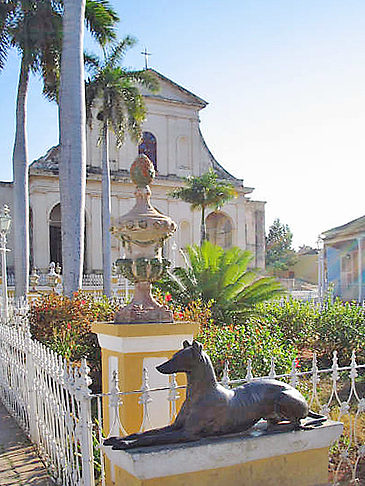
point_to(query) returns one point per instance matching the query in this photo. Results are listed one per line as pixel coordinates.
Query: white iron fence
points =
(52, 403)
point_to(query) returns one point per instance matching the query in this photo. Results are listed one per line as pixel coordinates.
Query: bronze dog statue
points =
(212, 410)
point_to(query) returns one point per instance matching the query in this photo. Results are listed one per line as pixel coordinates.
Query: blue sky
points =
(285, 82)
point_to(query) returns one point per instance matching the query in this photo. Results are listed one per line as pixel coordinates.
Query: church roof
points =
(173, 92)
(351, 228)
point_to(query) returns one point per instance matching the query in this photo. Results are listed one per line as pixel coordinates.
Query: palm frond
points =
(101, 19)
(221, 276)
(92, 63)
(119, 50)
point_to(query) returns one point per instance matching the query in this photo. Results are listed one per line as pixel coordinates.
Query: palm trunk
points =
(105, 218)
(203, 230)
(21, 195)
(72, 168)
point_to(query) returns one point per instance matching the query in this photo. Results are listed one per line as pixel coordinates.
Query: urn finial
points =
(143, 231)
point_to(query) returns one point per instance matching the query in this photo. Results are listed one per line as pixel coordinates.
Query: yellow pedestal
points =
(297, 458)
(129, 348)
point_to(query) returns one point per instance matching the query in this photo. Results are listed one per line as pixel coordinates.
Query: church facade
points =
(173, 141)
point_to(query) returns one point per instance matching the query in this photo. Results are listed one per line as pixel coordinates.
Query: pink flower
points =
(296, 361)
(68, 326)
(168, 297)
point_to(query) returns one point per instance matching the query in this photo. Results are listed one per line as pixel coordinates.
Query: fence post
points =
(32, 393)
(86, 442)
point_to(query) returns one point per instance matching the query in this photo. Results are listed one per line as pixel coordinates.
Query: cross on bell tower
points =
(145, 53)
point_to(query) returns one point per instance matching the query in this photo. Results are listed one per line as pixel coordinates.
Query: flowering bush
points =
(64, 324)
(194, 311)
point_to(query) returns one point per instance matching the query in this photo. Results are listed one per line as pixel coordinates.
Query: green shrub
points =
(340, 326)
(295, 318)
(238, 343)
(336, 326)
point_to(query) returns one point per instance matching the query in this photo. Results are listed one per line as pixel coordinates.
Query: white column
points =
(4, 278)
(95, 234)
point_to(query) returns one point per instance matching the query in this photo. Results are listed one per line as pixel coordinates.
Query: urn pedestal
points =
(128, 349)
(298, 458)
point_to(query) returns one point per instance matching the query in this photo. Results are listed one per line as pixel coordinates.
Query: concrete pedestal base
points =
(129, 348)
(297, 458)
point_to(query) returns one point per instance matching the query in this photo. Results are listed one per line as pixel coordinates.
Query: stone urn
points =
(143, 231)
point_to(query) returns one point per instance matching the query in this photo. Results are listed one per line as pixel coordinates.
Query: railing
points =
(91, 284)
(52, 403)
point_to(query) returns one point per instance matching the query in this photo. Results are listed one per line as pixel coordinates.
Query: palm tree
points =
(121, 110)
(72, 128)
(30, 27)
(72, 167)
(203, 192)
(221, 277)
(34, 28)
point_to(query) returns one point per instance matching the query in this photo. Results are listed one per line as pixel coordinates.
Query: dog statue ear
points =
(186, 344)
(197, 346)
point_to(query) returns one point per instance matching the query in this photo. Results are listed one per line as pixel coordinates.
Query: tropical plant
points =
(72, 170)
(223, 278)
(30, 27)
(118, 105)
(34, 28)
(279, 252)
(203, 192)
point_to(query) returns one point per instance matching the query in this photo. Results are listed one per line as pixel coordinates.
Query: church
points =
(173, 141)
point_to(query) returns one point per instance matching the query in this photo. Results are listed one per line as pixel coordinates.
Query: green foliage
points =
(295, 318)
(340, 327)
(222, 278)
(204, 191)
(257, 340)
(337, 326)
(238, 343)
(34, 28)
(195, 311)
(64, 324)
(122, 109)
(279, 253)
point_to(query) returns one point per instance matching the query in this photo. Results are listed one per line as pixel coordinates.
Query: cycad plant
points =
(223, 278)
(113, 95)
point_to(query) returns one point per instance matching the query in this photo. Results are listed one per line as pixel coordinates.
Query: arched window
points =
(148, 146)
(219, 230)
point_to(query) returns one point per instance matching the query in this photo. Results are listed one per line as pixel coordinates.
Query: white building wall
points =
(173, 118)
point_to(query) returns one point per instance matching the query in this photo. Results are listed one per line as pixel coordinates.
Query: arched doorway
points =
(55, 237)
(219, 229)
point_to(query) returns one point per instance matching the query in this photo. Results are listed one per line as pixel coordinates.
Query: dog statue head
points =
(184, 360)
